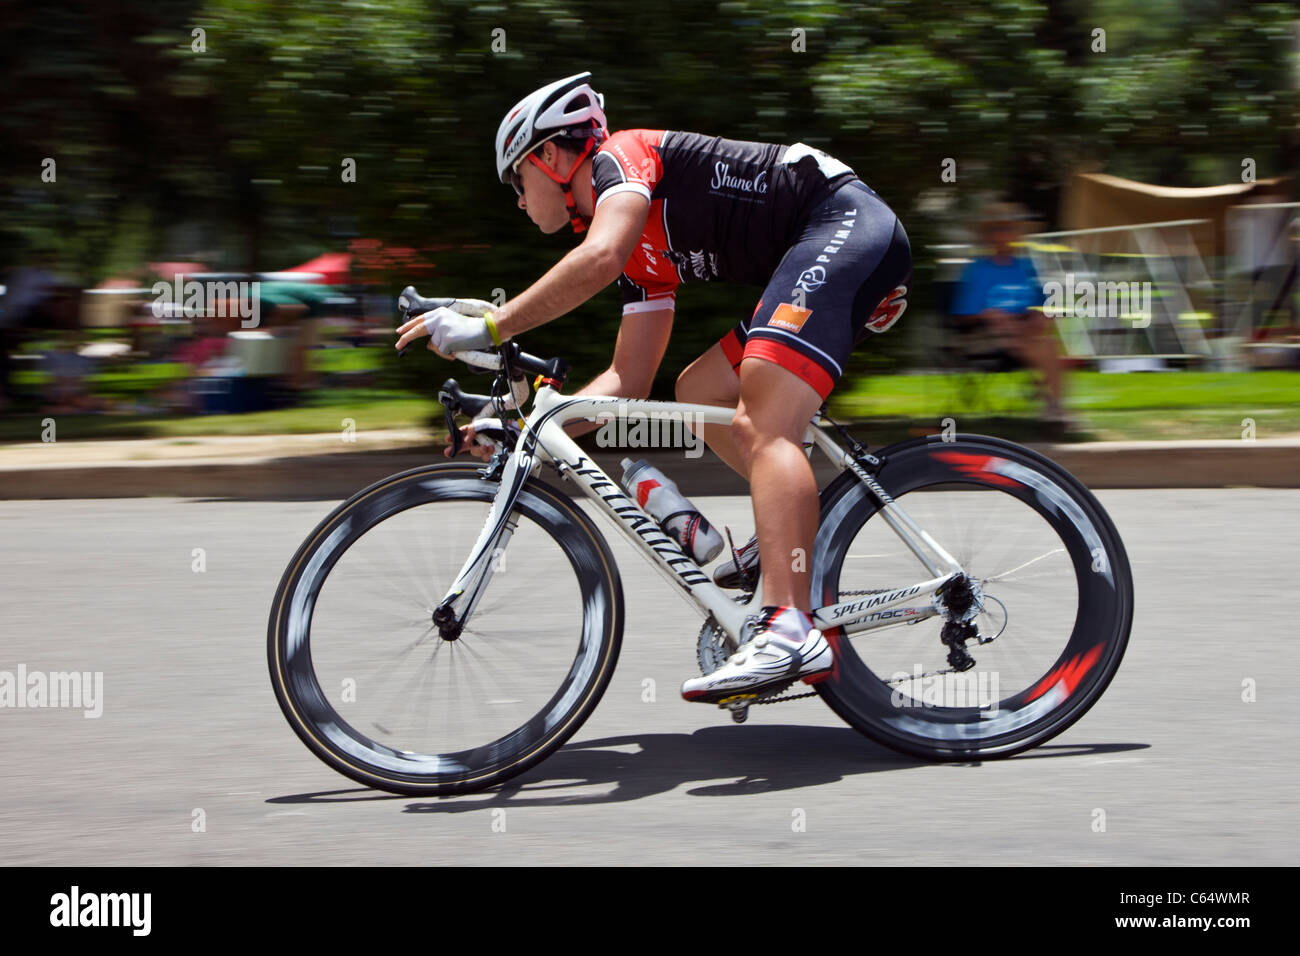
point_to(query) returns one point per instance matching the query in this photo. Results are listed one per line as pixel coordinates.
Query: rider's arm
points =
(611, 238)
(642, 341)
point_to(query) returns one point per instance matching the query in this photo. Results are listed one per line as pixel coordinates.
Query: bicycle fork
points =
(454, 610)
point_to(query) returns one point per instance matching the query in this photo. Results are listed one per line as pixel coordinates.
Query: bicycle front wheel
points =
(1050, 607)
(369, 685)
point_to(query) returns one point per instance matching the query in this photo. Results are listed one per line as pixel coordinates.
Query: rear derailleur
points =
(959, 601)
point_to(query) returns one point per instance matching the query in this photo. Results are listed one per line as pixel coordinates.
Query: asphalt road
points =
(191, 762)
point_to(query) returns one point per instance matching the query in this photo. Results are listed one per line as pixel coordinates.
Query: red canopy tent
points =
(169, 270)
(333, 267)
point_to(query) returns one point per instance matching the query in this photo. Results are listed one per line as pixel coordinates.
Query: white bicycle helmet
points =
(567, 107)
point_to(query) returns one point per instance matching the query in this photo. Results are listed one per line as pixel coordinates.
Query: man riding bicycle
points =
(660, 208)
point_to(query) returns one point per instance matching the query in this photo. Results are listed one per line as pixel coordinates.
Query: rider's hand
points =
(484, 436)
(448, 330)
(467, 444)
(457, 328)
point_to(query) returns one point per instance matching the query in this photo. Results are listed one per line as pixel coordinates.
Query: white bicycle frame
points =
(544, 440)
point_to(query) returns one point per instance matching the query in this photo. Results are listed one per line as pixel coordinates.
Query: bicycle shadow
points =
(711, 762)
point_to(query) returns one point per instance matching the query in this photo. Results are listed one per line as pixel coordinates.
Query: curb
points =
(1265, 463)
(1271, 463)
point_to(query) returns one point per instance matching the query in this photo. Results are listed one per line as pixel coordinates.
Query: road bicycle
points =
(449, 627)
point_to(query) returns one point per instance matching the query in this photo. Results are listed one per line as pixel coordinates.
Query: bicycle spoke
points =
(419, 692)
(1039, 610)
(983, 530)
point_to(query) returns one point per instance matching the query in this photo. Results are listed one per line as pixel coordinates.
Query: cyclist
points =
(659, 208)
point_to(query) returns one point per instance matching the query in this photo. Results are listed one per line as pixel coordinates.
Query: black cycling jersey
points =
(720, 209)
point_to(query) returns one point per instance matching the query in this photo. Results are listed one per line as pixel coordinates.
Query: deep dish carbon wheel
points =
(1050, 607)
(367, 682)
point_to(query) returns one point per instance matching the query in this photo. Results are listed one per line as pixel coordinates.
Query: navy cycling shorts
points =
(846, 275)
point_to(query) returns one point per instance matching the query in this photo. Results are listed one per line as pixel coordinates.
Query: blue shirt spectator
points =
(1001, 297)
(1011, 286)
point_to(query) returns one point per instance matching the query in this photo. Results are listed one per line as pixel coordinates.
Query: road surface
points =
(1189, 758)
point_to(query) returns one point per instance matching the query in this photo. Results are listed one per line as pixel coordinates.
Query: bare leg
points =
(710, 380)
(1038, 349)
(771, 419)
(1032, 342)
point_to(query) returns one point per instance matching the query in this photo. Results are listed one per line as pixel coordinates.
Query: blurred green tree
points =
(284, 130)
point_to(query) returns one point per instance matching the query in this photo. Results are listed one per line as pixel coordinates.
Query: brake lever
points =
(453, 433)
(449, 409)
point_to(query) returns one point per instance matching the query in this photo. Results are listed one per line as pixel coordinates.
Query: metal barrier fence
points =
(1148, 291)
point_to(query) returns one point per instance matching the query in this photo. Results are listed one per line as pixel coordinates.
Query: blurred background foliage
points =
(232, 154)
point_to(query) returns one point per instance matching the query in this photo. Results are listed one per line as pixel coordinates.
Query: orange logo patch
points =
(787, 316)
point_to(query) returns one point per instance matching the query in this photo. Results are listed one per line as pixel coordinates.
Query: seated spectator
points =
(200, 354)
(67, 393)
(50, 306)
(31, 293)
(999, 293)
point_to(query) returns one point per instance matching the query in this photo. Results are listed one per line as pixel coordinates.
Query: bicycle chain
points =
(779, 700)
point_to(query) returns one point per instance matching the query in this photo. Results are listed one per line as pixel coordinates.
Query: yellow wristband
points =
(492, 328)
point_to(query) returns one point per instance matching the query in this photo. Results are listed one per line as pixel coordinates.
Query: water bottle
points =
(657, 494)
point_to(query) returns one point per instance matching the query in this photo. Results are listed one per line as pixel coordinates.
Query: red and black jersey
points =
(720, 209)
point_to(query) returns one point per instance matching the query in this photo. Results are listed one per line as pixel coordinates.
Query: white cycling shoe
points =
(783, 647)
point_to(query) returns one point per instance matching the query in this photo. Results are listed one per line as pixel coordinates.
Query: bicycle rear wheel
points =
(366, 681)
(1053, 589)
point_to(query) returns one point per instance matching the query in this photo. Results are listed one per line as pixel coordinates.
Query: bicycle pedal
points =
(750, 697)
(738, 700)
(738, 704)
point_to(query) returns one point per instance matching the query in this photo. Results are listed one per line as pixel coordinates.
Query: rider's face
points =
(543, 199)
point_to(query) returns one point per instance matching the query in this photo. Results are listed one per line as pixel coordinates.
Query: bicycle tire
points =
(330, 735)
(1075, 678)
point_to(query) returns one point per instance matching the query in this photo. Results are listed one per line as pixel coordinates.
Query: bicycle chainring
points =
(712, 649)
(713, 646)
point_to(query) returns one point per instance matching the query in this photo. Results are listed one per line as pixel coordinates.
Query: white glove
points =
(453, 331)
